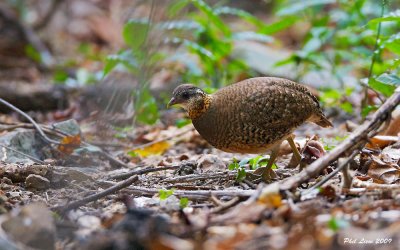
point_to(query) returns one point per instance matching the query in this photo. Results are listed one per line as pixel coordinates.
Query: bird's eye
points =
(185, 95)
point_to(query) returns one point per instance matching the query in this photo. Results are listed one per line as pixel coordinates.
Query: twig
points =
(374, 186)
(118, 186)
(141, 171)
(330, 175)
(22, 153)
(48, 16)
(194, 194)
(357, 139)
(225, 205)
(202, 176)
(36, 126)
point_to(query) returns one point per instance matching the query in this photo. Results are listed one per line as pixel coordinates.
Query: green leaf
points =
(241, 174)
(180, 25)
(32, 53)
(392, 16)
(385, 83)
(183, 202)
(302, 5)
(182, 122)
(164, 194)
(389, 79)
(392, 43)
(135, 33)
(366, 110)
(234, 165)
(244, 161)
(336, 223)
(147, 110)
(240, 13)
(212, 16)
(176, 6)
(277, 26)
(249, 35)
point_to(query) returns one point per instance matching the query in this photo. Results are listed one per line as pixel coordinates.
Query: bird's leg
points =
(296, 152)
(273, 156)
(266, 172)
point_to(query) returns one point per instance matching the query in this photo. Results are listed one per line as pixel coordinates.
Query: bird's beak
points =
(171, 102)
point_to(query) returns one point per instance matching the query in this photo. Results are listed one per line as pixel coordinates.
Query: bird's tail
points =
(323, 122)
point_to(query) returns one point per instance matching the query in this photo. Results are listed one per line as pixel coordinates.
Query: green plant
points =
(140, 61)
(240, 168)
(164, 194)
(183, 202)
(212, 40)
(343, 39)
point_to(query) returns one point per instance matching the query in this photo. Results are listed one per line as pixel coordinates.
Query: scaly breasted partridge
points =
(251, 116)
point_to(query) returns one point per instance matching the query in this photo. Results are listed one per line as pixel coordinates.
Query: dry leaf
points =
(270, 196)
(384, 172)
(154, 149)
(381, 141)
(69, 144)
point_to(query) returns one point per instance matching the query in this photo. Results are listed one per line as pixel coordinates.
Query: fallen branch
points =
(193, 194)
(201, 177)
(141, 171)
(118, 186)
(356, 140)
(357, 183)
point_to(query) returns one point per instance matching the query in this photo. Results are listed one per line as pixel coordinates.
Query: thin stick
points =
(118, 186)
(330, 175)
(203, 176)
(374, 186)
(141, 171)
(37, 127)
(194, 194)
(22, 153)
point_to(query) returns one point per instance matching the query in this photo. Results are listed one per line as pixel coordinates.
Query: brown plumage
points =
(251, 116)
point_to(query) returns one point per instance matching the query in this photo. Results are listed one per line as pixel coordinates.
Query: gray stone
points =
(37, 182)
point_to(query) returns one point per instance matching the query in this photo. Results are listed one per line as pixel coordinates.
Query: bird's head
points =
(193, 99)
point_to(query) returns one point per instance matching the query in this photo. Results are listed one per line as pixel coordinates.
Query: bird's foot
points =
(267, 174)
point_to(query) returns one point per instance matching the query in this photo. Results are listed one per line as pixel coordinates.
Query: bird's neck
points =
(199, 107)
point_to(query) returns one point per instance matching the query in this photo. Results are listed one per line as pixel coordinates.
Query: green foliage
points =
(211, 39)
(335, 224)
(183, 202)
(182, 122)
(240, 168)
(337, 98)
(341, 39)
(164, 194)
(139, 61)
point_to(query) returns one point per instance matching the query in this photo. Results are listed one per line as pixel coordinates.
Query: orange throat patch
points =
(196, 110)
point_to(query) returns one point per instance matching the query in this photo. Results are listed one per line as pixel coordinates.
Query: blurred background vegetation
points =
(348, 50)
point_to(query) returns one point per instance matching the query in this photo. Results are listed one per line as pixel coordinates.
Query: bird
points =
(253, 116)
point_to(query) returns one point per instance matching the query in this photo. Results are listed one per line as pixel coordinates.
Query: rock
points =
(26, 141)
(33, 226)
(37, 182)
(70, 127)
(77, 175)
(210, 162)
